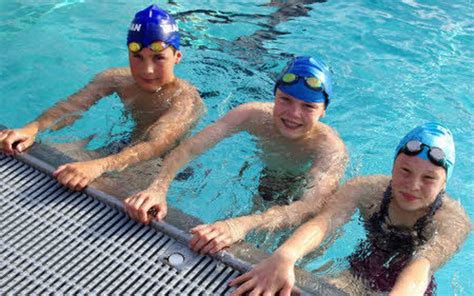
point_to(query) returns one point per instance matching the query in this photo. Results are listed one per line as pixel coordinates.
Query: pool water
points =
(396, 64)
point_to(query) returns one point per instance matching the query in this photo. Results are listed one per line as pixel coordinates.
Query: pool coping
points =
(240, 256)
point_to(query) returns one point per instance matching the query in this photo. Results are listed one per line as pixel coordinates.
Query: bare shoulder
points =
(253, 109)
(186, 95)
(188, 90)
(370, 184)
(452, 212)
(328, 138)
(369, 191)
(115, 73)
(245, 114)
(117, 77)
(256, 107)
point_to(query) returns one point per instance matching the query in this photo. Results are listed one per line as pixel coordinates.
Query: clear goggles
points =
(435, 154)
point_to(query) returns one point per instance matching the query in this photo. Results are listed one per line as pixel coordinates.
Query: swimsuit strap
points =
(420, 223)
(378, 218)
(423, 221)
(387, 197)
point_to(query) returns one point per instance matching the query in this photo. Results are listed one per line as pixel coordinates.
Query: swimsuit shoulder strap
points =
(423, 221)
(378, 218)
(387, 196)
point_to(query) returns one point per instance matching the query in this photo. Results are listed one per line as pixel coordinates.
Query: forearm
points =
(414, 278)
(65, 112)
(306, 238)
(177, 158)
(33, 127)
(134, 154)
(281, 216)
(188, 150)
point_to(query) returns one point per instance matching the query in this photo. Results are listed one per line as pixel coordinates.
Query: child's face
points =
(294, 118)
(151, 70)
(416, 182)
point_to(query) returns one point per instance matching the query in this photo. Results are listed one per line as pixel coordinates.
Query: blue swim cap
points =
(305, 66)
(153, 24)
(433, 135)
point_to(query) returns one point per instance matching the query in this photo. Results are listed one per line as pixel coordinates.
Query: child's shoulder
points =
(187, 89)
(117, 76)
(116, 72)
(256, 107)
(452, 210)
(370, 191)
(257, 113)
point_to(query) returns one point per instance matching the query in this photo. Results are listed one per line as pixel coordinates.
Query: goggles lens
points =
(413, 147)
(312, 82)
(289, 78)
(156, 46)
(134, 47)
(435, 154)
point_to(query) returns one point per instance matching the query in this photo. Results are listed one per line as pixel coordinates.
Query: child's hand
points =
(17, 140)
(211, 238)
(78, 175)
(147, 205)
(273, 276)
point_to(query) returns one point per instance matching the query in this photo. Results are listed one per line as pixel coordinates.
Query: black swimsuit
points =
(388, 249)
(280, 188)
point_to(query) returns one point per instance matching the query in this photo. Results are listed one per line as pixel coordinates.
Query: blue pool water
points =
(396, 64)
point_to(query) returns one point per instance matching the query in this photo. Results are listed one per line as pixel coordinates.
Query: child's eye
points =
(429, 178)
(158, 58)
(138, 56)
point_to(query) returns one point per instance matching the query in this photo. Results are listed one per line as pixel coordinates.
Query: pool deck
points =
(57, 228)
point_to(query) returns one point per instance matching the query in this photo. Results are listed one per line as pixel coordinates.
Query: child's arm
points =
(277, 272)
(325, 174)
(63, 113)
(155, 195)
(452, 226)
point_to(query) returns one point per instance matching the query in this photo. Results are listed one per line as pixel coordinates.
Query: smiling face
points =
(416, 182)
(151, 70)
(294, 118)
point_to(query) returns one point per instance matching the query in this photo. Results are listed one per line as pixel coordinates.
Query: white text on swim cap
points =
(167, 28)
(135, 27)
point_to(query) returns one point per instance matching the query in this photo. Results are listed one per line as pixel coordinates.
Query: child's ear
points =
(178, 56)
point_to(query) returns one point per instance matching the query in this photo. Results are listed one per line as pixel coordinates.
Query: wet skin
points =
(162, 106)
(415, 184)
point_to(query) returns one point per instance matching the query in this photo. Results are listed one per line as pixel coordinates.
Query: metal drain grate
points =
(53, 240)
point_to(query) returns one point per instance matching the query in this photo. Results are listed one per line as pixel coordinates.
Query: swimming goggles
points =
(312, 82)
(156, 46)
(435, 154)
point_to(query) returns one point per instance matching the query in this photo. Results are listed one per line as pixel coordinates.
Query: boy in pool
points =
(413, 226)
(163, 106)
(295, 145)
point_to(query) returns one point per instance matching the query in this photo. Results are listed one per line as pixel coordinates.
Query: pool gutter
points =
(240, 256)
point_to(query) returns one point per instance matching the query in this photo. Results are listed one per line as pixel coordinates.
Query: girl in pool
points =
(413, 226)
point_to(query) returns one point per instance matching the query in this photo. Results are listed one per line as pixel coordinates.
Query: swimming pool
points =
(395, 65)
